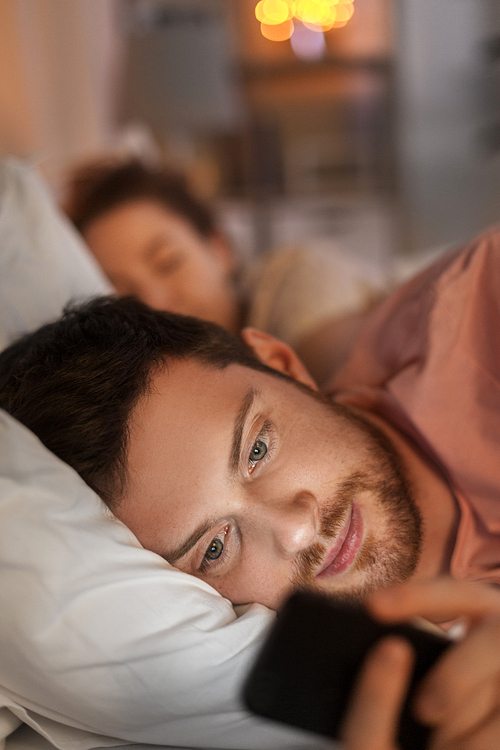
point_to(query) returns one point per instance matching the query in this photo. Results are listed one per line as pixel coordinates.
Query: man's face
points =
(256, 485)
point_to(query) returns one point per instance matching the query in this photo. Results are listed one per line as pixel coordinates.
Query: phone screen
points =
(307, 667)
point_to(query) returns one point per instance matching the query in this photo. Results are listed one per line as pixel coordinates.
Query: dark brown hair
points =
(97, 187)
(75, 382)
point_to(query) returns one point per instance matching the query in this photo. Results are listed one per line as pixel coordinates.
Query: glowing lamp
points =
(276, 16)
(344, 12)
(316, 12)
(278, 32)
(274, 12)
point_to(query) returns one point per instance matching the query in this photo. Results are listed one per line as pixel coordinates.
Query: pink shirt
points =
(429, 363)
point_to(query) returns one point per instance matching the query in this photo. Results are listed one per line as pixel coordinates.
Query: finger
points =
(486, 737)
(380, 690)
(438, 600)
(462, 689)
(473, 714)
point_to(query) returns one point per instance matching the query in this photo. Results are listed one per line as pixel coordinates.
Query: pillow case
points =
(43, 261)
(103, 642)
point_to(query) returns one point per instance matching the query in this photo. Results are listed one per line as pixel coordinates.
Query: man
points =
(231, 471)
(243, 476)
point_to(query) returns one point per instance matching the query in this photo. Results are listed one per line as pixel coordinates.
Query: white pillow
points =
(43, 261)
(98, 636)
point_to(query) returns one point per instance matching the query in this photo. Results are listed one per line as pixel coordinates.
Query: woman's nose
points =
(158, 296)
(293, 522)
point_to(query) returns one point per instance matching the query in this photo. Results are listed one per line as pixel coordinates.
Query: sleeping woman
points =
(155, 240)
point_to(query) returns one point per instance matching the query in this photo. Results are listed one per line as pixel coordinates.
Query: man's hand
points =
(460, 697)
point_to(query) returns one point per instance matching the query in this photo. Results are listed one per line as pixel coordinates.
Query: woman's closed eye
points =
(169, 264)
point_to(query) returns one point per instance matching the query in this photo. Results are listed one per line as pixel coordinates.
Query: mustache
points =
(307, 561)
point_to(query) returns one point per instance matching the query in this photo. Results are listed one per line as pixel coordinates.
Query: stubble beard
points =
(390, 557)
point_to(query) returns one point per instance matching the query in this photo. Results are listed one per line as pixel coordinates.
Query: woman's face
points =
(160, 258)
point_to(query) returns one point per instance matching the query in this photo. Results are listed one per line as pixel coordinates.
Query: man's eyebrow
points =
(239, 425)
(185, 546)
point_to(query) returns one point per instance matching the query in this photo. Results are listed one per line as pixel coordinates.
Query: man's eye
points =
(263, 447)
(259, 450)
(215, 549)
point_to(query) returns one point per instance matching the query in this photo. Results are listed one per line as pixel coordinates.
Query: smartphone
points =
(307, 667)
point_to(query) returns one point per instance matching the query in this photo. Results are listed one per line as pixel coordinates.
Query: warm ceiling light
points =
(344, 12)
(273, 12)
(307, 43)
(317, 12)
(278, 32)
(316, 15)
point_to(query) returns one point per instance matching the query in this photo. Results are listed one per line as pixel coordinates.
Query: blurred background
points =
(380, 129)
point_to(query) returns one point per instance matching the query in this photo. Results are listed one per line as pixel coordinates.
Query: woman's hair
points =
(97, 187)
(75, 382)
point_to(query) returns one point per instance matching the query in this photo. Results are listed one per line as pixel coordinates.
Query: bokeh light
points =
(274, 12)
(344, 11)
(315, 15)
(307, 43)
(278, 32)
(316, 12)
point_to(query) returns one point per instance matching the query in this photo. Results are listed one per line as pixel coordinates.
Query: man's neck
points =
(434, 499)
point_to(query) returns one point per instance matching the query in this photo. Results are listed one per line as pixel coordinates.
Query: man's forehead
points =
(192, 389)
(192, 375)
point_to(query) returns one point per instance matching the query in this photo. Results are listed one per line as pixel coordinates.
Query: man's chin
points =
(351, 592)
(373, 572)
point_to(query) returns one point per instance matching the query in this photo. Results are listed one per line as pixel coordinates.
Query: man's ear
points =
(278, 355)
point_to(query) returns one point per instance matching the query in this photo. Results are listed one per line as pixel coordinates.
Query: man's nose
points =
(293, 522)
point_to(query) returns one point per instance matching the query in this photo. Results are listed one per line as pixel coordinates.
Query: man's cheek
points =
(266, 584)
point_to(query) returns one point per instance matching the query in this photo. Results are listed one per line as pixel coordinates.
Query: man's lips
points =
(346, 546)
